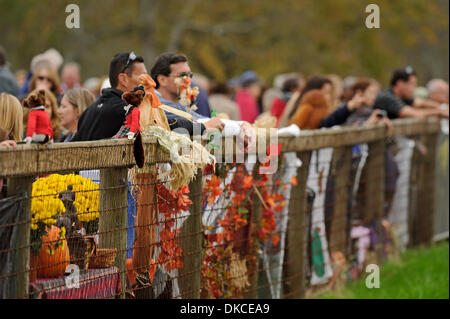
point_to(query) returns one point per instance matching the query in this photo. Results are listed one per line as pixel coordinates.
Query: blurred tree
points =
(223, 38)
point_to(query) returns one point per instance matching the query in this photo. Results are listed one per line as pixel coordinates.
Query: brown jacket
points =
(313, 108)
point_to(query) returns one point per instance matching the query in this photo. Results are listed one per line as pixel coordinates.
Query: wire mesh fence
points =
(95, 227)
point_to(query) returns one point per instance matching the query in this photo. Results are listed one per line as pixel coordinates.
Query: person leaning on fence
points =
(168, 67)
(73, 104)
(314, 83)
(314, 107)
(358, 106)
(247, 99)
(103, 118)
(290, 86)
(11, 126)
(398, 100)
(438, 91)
(11, 117)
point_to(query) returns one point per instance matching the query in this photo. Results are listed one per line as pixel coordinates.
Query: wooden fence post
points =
(112, 225)
(191, 236)
(425, 199)
(252, 290)
(413, 194)
(374, 188)
(294, 270)
(21, 264)
(340, 166)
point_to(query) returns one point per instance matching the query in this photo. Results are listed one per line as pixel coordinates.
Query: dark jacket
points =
(338, 117)
(104, 117)
(176, 122)
(202, 102)
(8, 82)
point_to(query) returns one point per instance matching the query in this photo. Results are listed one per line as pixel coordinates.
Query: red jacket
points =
(132, 119)
(39, 123)
(247, 105)
(277, 108)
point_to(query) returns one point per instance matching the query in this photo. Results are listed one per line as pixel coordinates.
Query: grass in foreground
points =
(422, 273)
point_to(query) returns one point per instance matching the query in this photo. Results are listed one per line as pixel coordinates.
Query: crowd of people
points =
(93, 110)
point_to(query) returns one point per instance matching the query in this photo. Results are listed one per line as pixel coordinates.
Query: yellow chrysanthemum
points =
(46, 203)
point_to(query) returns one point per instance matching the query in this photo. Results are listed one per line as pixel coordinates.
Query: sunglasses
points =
(131, 58)
(183, 74)
(42, 78)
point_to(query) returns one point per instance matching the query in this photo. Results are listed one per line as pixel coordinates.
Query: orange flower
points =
(212, 187)
(275, 240)
(294, 181)
(151, 270)
(183, 202)
(247, 182)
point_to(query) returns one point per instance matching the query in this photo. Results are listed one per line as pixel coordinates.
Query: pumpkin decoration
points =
(53, 258)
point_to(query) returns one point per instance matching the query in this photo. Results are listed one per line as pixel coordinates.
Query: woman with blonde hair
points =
(51, 107)
(11, 127)
(11, 113)
(73, 103)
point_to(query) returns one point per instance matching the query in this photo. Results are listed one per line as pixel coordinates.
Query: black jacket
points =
(104, 117)
(338, 117)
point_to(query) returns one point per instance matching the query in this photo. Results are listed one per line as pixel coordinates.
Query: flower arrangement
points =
(219, 258)
(220, 262)
(170, 206)
(46, 206)
(185, 163)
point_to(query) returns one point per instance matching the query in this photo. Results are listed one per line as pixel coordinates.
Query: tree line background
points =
(223, 38)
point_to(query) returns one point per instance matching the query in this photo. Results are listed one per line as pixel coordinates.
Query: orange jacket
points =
(313, 108)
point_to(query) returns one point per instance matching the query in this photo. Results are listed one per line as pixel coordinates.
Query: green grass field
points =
(422, 273)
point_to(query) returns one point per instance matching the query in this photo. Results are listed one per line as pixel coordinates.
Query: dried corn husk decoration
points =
(187, 93)
(151, 113)
(266, 120)
(238, 271)
(152, 110)
(187, 156)
(176, 111)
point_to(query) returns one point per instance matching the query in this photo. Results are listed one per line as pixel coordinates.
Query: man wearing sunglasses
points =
(106, 115)
(398, 101)
(166, 69)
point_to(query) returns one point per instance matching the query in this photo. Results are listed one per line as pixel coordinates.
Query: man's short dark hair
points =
(118, 63)
(163, 63)
(2, 56)
(290, 84)
(402, 74)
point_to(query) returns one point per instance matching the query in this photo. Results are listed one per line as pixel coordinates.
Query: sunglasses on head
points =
(409, 70)
(131, 58)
